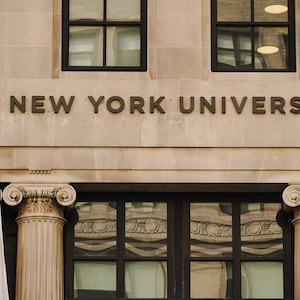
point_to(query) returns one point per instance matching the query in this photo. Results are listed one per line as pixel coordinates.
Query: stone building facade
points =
(164, 165)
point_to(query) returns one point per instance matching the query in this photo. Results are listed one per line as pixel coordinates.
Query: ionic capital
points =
(291, 196)
(64, 194)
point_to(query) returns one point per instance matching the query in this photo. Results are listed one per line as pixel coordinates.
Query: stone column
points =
(40, 238)
(291, 198)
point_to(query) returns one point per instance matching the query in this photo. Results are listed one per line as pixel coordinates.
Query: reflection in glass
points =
(261, 13)
(211, 280)
(146, 279)
(260, 233)
(86, 9)
(234, 48)
(211, 229)
(262, 280)
(231, 50)
(85, 46)
(275, 37)
(95, 231)
(233, 10)
(123, 10)
(94, 280)
(123, 46)
(146, 228)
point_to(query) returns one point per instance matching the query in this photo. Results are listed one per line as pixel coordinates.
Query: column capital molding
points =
(291, 196)
(64, 194)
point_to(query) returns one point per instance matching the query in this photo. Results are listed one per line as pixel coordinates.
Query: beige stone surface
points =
(178, 31)
(28, 62)
(227, 165)
(28, 30)
(171, 129)
(150, 146)
(30, 6)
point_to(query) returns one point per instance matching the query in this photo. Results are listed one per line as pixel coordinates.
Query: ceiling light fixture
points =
(276, 9)
(267, 50)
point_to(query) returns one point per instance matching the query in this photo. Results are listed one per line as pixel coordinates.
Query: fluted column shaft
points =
(40, 239)
(291, 198)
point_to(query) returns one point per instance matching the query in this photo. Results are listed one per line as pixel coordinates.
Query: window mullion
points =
(236, 240)
(171, 250)
(186, 240)
(120, 250)
(252, 36)
(104, 32)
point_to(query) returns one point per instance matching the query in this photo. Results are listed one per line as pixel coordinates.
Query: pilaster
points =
(40, 238)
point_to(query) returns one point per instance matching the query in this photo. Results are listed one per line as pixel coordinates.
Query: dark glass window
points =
(108, 35)
(253, 35)
(194, 246)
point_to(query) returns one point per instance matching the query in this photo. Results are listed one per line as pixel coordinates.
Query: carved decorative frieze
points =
(146, 226)
(208, 230)
(95, 228)
(137, 225)
(199, 228)
(291, 195)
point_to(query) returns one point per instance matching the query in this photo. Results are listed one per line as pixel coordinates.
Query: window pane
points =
(272, 45)
(226, 59)
(233, 10)
(238, 40)
(146, 228)
(259, 61)
(95, 232)
(85, 46)
(271, 10)
(225, 39)
(262, 280)
(260, 233)
(123, 46)
(94, 279)
(86, 9)
(124, 10)
(211, 280)
(146, 279)
(211, 229)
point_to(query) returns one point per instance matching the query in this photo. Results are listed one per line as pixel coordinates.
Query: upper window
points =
(104, 35)
(189, 246)
(253, 35)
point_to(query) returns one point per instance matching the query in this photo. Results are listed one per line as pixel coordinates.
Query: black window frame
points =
(178, 253)
(291, 47)
(66, 23)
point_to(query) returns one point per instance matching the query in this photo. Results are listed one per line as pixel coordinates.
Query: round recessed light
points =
(267, 49)
(276, 9)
